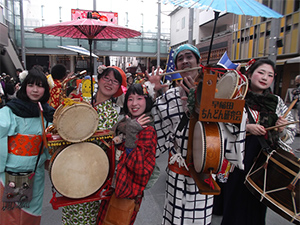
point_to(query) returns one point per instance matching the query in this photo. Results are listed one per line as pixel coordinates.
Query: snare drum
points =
(78, 170)
(77, 122)
(274, 179)
(208, 147)
(232, 85)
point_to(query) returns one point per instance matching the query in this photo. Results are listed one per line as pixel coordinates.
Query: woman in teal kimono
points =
(20, 119)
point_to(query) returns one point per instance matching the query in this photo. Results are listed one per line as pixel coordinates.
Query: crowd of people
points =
(145, 125)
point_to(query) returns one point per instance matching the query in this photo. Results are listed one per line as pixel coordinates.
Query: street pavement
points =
(152, 206)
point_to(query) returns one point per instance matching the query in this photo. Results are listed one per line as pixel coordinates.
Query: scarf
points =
(265, 104)
(30, 109)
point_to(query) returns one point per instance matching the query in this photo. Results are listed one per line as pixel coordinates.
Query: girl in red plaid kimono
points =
(137, 160)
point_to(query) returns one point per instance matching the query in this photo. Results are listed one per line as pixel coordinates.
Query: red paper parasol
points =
(88, 28)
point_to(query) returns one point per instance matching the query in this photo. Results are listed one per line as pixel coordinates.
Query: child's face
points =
(136, 105)
(35, 92)
(262, 78)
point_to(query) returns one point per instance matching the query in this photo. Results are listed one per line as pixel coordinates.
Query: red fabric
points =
(17, 216)
(54, 94)
(134, 170)
(24, 145)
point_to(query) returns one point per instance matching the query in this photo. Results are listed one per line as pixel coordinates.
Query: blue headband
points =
(186, 47)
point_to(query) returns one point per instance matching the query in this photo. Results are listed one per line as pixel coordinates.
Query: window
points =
(183, 23)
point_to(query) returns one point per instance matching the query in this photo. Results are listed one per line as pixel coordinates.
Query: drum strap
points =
(263, 143)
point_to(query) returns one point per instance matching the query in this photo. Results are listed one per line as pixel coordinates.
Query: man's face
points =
(186, 59)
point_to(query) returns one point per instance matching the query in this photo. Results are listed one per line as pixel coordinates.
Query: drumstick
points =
(43, 125)
(179, 71)
(282, 125)
(290, 107)
(274, 127)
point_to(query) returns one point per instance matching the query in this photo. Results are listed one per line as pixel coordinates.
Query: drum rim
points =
(58, 152)
(60, 129)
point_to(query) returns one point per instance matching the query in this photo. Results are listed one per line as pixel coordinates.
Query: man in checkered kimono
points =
(183, 203)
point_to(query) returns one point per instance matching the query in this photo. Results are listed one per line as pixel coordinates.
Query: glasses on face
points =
(114, 82)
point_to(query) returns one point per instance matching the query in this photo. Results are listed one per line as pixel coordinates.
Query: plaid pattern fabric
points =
(134, 170)
(183, 203)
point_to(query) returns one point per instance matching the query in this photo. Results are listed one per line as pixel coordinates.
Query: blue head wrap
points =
(186, 47)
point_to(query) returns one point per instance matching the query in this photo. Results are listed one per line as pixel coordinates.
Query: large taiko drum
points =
(274, 179)
(232, 85)
(76, 122)
(78, 170)
(208, 147)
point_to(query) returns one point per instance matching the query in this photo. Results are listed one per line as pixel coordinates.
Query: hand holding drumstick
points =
(256, 129)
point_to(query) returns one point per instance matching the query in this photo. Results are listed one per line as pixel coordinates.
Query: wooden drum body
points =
(78, 170)
(208, 147)
(274, 179)
(75, 123)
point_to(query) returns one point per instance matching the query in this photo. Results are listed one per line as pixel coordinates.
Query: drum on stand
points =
(76, 122)
(78, 170)
(274, 179)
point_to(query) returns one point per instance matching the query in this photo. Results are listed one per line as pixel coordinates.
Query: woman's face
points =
(35, 91)
(136, 105)
(130, 80)
(262, 78)
(108, 85)
(186, 59)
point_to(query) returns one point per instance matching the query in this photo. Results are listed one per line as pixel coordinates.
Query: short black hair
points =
(137, 89)
(35, 76)
(19, 70)
(58, 72)
(117, 74)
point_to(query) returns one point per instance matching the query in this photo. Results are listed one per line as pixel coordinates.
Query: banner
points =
(171, 67)
(111, 17)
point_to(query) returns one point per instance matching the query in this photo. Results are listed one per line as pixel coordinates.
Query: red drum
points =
(208, 147)
(76, 122)
(232, 85)
(78, 170)
(274, 179)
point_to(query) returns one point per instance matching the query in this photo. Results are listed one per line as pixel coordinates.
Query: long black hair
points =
(35, 76)
(140, 90)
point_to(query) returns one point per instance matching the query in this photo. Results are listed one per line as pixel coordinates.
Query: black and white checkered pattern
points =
(183, 204)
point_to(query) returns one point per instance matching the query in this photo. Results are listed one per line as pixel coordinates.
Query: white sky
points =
(135, 8)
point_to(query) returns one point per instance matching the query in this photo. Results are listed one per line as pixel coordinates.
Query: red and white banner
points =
(111, 17)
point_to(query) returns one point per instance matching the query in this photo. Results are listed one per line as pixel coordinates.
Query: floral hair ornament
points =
(249, 64)
(101, 68)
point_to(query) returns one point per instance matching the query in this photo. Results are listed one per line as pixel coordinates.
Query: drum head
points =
(199, 147)
(227, 85)
(77, 122)
(79, 170)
